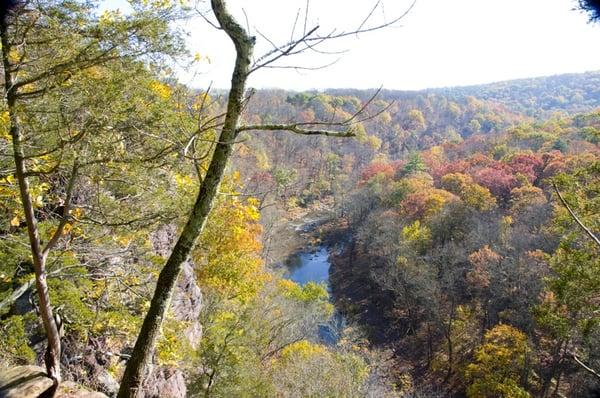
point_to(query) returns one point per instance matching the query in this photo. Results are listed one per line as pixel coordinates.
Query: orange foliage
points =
(482, 260)
(425, 203)
(377, 168)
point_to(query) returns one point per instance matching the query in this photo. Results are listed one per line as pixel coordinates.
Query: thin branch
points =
(275, 46)
(298, 68)
(297, 130)
(584, 366)
(132, 222)
(310, 39)
(294, 26)
(371, 29)
(285, 50)
(208, 21)
(247, 23)
(369, 15)
(65, 213)
(306, 16)
(574, 216)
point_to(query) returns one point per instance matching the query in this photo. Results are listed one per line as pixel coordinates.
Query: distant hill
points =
(535, 97)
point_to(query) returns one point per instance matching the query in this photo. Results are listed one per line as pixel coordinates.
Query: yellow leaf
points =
(76, 213)
(67, 228)
(162, 90)
(15, 221)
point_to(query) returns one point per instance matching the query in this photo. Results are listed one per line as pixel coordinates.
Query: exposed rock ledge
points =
(32, 382)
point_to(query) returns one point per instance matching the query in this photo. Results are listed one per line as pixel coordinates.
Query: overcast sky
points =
(439, 43)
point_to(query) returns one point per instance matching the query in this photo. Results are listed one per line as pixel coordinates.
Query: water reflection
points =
(307, 267)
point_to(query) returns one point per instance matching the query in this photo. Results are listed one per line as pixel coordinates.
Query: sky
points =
(439, 43)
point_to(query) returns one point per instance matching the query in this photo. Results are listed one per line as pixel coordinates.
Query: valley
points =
(161, 237)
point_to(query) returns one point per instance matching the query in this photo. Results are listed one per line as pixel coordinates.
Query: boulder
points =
(23, 382)
(106, 383)
(32, 382)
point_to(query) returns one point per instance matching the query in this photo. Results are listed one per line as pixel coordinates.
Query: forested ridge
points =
(533, 97)
(462, 223)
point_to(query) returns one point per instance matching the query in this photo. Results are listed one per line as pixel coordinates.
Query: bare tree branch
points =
(65, 213)
(297, 130)
(375, 7)
(294, 26)
(299, 68)
(574, 216)
(281, 51)
(584, 366)
(310, 39)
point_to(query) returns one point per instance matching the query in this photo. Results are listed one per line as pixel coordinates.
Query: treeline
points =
(457, 228)
(394, 125)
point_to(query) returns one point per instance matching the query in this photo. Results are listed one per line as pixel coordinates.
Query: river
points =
(312, 265)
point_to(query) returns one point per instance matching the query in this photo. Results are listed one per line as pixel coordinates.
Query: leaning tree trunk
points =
(146, 341)
(39, 255)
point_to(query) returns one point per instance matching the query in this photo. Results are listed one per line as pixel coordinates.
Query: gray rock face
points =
(165, 382)
(187, 300)
(163, 240)
(107, 383)
(186, 305)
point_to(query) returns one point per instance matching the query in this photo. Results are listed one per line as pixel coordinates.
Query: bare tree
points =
(229, 129)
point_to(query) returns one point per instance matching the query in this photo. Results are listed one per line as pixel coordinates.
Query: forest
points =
(147, 227)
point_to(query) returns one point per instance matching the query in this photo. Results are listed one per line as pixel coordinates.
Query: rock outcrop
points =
(32, 382)
(168, 382)
(187, 300)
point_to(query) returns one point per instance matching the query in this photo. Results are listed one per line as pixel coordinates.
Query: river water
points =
(313, 266)
(310, 266)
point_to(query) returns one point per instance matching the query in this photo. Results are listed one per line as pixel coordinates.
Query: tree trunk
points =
(450, 343)
(52, 356)
(555, 370)
(146, 341)
(429, 345)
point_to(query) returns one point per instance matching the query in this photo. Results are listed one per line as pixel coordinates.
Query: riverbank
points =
(295, 230)
(323, 252)
(360, 300)
(314, 244)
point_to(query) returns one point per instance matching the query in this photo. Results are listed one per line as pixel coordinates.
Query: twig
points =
(574, 216)
(297, 130)
(584, 366)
